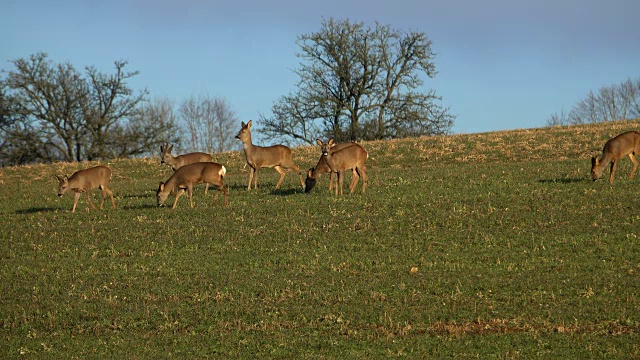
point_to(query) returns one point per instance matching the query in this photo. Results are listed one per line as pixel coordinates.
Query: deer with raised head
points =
(614, 150)
(83, 181)
(189, 175)
(352, 157)
(322, 167)
(176, 162)
(276, 156)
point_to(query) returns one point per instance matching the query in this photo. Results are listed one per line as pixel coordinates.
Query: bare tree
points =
(610, 103)
(153, 123)
(59, 114)
(109, 101)
(210, 124)
(361, 83)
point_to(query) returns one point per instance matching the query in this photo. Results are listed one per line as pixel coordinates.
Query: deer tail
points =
(223, 171)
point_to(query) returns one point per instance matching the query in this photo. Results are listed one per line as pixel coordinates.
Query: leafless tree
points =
(57, 113)
(610, 103)
(210, 124)
(358, 82)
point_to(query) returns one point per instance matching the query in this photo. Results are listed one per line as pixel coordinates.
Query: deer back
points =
(84, 180)
(192, 174)
(259, 156)
(622, 145)
(345, 158)
(179, 161)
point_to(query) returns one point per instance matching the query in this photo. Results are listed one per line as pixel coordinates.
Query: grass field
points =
(493, 245)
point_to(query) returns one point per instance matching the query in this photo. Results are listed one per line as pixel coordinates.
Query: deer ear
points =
(594, 161)
(249, 123)
(318, 142)
(331, 143)
(310, 172)
(59, 177)
(243, 124)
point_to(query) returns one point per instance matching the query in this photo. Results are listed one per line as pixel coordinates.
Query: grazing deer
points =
(276, 156)
(83, 181)
(352, 157)
(321, 167)
(192, 174)
(614, 150)
(181, 160)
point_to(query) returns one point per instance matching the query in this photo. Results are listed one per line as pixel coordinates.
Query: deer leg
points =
(104, 196)
(206, 188)
(251, 171)
(635, 165)
(282, 174)
(354, 180)
(76, 196)
(86, 194)
(297, 169)
(613, 170)
(363, 174)
(190, 194)
(332, 178)
(110, 193)
(178, 194)
(340, 181)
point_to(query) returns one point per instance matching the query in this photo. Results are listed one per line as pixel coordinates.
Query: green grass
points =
(518, 255)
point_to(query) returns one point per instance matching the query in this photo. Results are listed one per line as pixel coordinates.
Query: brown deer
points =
(176, 162)
(321, 167)
(189, 175)
(83, 181)
(276, 156)
(614, 150)
(352, 157)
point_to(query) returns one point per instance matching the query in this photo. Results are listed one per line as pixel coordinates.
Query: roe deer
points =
(321, 167)
(192, 174)
(181, 160)
(276, 156)
(614, 150)
(352, 157)
(83, 181)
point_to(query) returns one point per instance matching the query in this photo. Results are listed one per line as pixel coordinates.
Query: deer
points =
(352, 157)
(83, 181)
(189, 175)
(321, 167)
(276, 156)
(179, 161)
(614, 150)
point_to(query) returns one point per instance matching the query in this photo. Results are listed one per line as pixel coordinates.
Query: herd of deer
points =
(195, 168)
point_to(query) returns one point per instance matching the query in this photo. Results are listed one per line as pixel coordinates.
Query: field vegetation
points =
(493, 245)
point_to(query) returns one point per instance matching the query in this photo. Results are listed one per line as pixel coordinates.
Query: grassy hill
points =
(494, 245)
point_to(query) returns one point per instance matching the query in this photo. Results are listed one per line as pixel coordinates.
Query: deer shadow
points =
(562, 180)
(35, 210)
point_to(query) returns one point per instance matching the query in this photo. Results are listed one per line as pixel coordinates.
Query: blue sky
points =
(501, 64)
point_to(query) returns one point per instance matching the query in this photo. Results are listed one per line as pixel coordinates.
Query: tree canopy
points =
(54, 112)
(360, 83)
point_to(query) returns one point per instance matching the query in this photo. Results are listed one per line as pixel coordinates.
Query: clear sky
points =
(502, 64)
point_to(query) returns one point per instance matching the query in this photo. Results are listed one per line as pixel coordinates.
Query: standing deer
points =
(276, 156)
(192, 174)
(181, 160)
(83, 181)
(352, 157)
(321, 167)
(614, 150)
